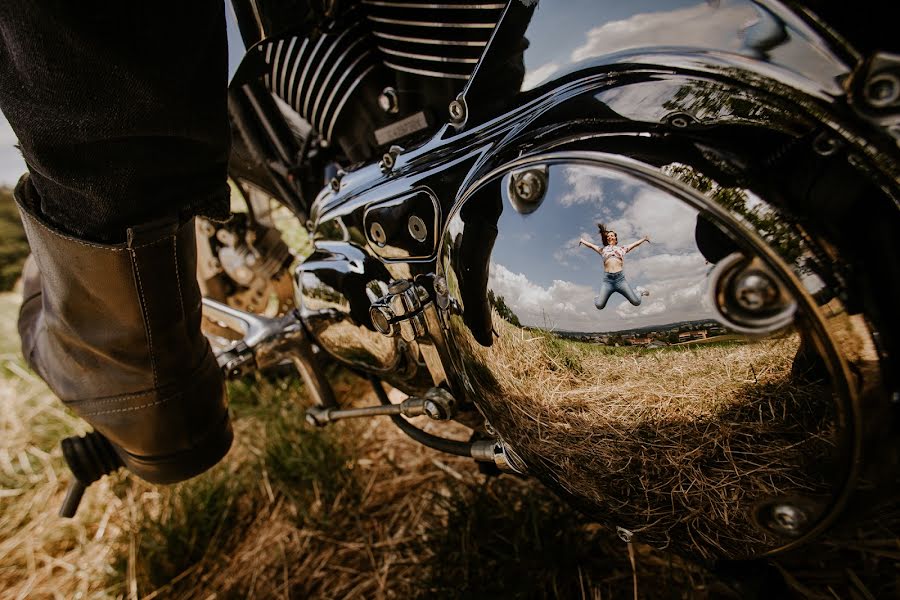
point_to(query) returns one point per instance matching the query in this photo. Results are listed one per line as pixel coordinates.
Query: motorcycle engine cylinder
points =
(442, 40)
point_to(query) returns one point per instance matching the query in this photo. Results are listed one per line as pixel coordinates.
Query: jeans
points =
(615, 282)
(120, 110)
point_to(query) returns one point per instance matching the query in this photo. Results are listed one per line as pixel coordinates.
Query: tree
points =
(503, 309)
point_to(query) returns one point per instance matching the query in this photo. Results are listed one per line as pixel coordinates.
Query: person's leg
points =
(120, 114)
(624, 288)
(119, 109)
(606, 290)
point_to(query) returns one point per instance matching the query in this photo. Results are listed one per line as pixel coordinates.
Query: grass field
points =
(353, 511)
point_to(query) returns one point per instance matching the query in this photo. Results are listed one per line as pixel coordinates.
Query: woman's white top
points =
(613, 252)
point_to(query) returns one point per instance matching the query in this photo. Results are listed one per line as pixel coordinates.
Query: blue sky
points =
(550, 281)
(11, 164)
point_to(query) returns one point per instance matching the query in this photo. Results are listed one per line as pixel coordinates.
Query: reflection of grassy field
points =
(680, 441)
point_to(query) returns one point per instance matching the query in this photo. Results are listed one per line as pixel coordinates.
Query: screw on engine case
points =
(790, 517)
(390, 158)
(882, 89)
(526, 189)
(748, 297)
(389, 100)
(417, 228)
(376, 232)
(755, 291)
(457, 110)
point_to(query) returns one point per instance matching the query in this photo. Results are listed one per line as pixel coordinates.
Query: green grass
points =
(194, 522)
(312, 467)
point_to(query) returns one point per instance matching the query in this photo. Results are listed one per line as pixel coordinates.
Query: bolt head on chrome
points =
(376, 232)
(389, 101)
(417, 228)
(457, 110)
(381, 320)
(755, 291)
(882, 90)
(526, 189)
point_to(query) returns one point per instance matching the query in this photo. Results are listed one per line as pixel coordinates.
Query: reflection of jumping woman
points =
(613, 264)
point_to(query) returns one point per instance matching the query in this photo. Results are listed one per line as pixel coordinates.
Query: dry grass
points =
(354, 511)
(675, 445)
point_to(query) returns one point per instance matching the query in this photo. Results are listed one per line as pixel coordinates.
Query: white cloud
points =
(571, 252)
(539, 75)
(658, 267)
(647, 309)
(699, 26)
(563, 304)
(585, 186)
(668, 222)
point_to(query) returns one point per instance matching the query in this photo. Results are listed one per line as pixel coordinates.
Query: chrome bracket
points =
(269, 342)
(401, 311)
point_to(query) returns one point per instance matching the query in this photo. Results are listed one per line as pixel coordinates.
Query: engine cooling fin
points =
(317, 75)
(434, 39)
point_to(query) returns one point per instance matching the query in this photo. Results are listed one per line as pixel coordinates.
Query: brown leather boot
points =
(114, 330)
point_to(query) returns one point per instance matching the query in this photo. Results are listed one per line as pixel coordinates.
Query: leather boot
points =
(114, 330)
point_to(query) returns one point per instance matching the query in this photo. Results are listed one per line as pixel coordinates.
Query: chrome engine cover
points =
(681, 421)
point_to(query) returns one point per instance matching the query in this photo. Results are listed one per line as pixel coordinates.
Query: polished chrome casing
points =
(746, 117)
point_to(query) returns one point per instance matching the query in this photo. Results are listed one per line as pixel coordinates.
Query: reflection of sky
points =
(550, 281)
(735, 26)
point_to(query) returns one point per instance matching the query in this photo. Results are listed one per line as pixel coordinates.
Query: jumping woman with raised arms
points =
(614, 264)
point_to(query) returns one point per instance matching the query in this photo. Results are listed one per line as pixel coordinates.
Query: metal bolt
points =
(527, 188)
(417, 228)
(399, 286)
(376, 232)
(440, 286)
(680, 120)
(624, 534)
(389, 101)
(882, 90)
(433, 410)
(380, 320)
(390, 158)
(788, 518)
(825, 145)
(457, 111)
(755, 291)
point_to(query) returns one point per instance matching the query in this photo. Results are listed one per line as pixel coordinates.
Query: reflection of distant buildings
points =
(664, 335)
(686, 336)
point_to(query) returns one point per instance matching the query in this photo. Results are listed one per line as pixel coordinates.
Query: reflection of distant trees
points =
(771, 225)
(503, 309)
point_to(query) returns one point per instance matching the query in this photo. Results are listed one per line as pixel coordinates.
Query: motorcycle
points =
(446, 158)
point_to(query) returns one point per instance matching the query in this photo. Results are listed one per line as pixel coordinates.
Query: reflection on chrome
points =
(687, 430)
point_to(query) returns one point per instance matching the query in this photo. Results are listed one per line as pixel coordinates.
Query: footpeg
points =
(89, 457)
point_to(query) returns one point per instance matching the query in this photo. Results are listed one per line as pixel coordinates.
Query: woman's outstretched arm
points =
(591, 245)
(634, 245)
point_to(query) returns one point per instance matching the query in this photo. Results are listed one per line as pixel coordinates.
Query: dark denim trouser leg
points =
(120, 109)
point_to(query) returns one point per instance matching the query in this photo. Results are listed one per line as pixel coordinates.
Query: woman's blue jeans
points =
(615, 282)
